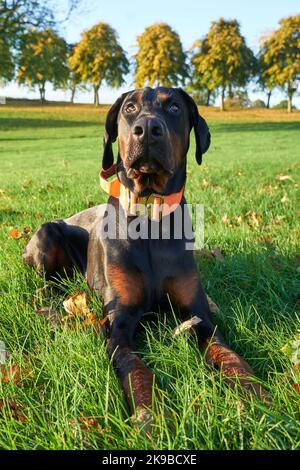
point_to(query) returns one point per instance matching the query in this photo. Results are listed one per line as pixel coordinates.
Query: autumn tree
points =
(201, 83)
(74, 82)
(99, 58)
(222, 60)
(43, 58)
(160, 59)
(280, 57)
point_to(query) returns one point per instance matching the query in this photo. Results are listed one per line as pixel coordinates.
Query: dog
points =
(135, 275)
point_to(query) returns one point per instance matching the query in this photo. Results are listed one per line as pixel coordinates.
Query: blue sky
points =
(190, 18)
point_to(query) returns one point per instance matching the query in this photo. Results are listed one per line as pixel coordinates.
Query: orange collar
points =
(155, 206)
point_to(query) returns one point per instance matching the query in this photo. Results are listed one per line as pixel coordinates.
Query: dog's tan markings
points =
(138, 386)
(129, 285)
(234, 368)
(182, 290)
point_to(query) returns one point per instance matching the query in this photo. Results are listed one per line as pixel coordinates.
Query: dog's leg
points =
(137, 381)
(56, 248)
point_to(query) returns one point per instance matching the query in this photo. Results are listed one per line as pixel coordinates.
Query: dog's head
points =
(153, 128)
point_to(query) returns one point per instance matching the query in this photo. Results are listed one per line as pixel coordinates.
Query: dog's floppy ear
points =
(202, 134)
(111, 132)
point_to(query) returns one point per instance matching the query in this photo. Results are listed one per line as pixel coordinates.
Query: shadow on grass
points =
(268, 126)
(13, 123)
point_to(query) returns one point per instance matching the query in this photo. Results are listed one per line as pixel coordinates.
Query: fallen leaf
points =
(186, 325)
(13, 374)
(88, 422)
(284, 199)
(225, 220)
(284, 178)
(254, 218)
(14, 407)
(205, 183)
(212, 306)
(76, 305)
(238, 219)
(296, 387)
(15, 233)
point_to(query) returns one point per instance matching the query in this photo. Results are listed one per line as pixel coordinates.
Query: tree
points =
(266, 83)
(160, 59)
(16, 16)
(6, 62)
(43, 58)
(74, 81)
(98, 58)
(203, 82)
(280, 56)
(222, 59)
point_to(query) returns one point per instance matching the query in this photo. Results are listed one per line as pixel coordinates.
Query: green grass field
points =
(50, 159)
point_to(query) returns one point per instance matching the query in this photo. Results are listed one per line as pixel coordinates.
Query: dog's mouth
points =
(149, 175)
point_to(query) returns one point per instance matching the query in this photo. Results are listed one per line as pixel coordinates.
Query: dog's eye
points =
(130, 108)
(174, 108)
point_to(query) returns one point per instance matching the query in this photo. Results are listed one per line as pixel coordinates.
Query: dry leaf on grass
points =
(205, 183)
(226, 220)
(17, 235)
(76, 306)
(284, 199)
(186, 325)
(212, 306)
(284, 177)
(13, 374)
(14, 408)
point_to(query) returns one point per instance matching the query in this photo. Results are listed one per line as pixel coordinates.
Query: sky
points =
(190, 18)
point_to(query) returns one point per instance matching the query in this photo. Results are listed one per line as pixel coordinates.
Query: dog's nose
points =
(149, 129)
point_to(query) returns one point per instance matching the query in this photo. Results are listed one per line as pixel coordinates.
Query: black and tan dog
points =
(135, 276)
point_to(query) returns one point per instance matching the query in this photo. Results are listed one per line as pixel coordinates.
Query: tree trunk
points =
(290, 104)
(268, 98)
(222, 99)
(230, 92)
(42, 93)
(208, 97)
(73, 90)
(96, 95)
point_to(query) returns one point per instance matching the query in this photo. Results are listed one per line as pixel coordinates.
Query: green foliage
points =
(160, 59)
(258, 104)
(43, 58)
(222, 59)
(283, 104)
(17, 16)
(238, 99)
(280, 57)
(98, 57)
(6, 62)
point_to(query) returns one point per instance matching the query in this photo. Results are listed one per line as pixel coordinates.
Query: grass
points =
(50, 158)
